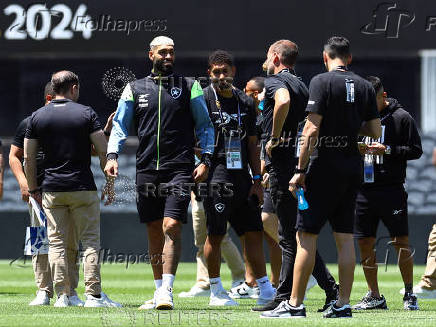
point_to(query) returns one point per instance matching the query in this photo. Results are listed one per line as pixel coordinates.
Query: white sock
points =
(157, 283)
(168, 280)
(265, 287)
(215, 285)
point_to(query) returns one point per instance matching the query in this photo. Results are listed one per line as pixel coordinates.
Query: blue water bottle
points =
(260, 106)
(302, 203)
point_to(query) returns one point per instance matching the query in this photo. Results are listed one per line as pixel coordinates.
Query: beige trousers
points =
(229, 251)
(41, 266)
(77, 215)
(428, 280)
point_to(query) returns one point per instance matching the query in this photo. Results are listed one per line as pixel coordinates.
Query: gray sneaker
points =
(410, 302)
(370, 302)
(285, 310)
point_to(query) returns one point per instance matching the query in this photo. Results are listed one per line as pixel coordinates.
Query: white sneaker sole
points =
(96, 305)
(227, 304)
(38, 304)
(190, 295)
(283, 317)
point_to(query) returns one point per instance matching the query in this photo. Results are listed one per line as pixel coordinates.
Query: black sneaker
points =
(271, 305)
(335, 312)
(285, 310)
(410, 301)
(370, 302)
(330, 299)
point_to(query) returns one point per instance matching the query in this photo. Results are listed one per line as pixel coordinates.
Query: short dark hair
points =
(376, 83)
(220, 57)
(48, 90)
(259, 81)
(287, 50)
(63, 80)
(338, 47)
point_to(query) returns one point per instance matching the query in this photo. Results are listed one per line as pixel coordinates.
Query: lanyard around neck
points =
(218, 104)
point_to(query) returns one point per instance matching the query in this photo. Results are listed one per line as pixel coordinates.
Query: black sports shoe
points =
(335, 312)
(370, 302)
(410, 301)
(271, 305)
(330, 299)
(285, 310)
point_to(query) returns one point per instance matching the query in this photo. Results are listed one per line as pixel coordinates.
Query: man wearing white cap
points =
(169, 114)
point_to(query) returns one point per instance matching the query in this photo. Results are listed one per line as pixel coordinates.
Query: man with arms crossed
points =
(65, 131)
(169, 112)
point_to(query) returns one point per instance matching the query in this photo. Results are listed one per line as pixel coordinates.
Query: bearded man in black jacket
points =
(383, 197)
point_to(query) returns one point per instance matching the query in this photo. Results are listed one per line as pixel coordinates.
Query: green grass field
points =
(134, 285)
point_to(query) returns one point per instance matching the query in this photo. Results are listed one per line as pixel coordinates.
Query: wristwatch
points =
(206, 159)
(112, 156)
(300, 170)
(388, 149)
(257, 177)
(274, 140)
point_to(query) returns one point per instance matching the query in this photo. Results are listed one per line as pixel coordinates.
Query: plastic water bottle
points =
(302, 203)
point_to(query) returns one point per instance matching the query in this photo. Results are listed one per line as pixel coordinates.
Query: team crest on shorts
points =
(175, 92)
(220, 207)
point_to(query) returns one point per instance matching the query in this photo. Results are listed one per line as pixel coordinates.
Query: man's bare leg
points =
(155, 247)
(172, 230)
(405, 260)
(369, 264)
(303, 267)
(346, 264)
(212, 253)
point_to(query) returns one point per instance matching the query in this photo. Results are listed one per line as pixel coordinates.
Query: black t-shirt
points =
(62, 128)
(298, 94)
(228, 120)
(344, 100)
(19, 143)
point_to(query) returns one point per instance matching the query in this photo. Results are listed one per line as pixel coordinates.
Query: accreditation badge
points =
(232, 144)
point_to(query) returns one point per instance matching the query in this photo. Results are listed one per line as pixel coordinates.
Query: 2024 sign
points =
(35, 22)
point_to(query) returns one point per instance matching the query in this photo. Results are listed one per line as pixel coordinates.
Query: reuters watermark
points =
(166, 318)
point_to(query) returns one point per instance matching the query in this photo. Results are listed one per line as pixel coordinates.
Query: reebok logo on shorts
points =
(396, 212)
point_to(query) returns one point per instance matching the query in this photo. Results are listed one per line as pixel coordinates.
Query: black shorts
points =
(230, 203)
(267, 202)
(164, 193)
(331, 195)
(388, 204)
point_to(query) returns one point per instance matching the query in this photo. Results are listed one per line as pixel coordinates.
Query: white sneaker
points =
(237, 282)
(102, 301)
(148, 305)
(75, 301)
(422, 293)
(62, 301)
(41, 298)
(164, 298)
(195, 291)
(221, 299)
(244, 291)
(265, 299)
